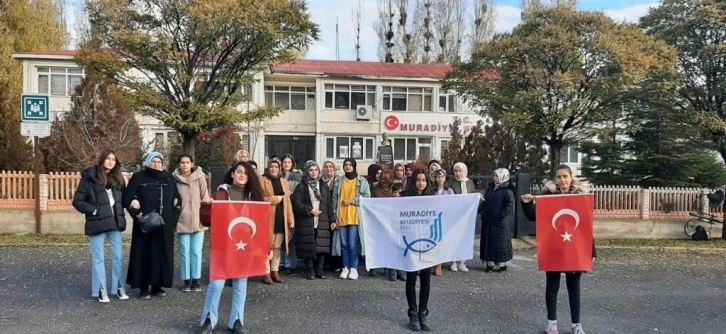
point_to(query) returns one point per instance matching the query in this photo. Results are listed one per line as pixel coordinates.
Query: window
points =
(159, 141)
(447, 102)
(349, 97)
(290, 98)
(407, 99)
(569, 155)
(410, 149)
(59, 81)
(349, 147)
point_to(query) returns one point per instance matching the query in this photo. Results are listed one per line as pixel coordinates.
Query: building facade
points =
(332, 110)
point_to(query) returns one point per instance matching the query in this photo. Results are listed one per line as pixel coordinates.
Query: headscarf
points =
(314, 184)
(151, 156)
(503, 174)
(464, 171)
(324, 177)
(440, 172)
(432, 164)
(279, 166)
(372, 171)
(354, 174)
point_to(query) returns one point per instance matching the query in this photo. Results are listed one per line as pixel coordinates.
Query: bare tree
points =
(385, 30)
(357, 20)
(482, 28)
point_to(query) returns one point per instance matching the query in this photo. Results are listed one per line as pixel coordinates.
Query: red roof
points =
(68, 53)
(363, 68)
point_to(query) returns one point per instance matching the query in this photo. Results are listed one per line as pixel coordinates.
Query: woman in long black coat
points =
(151, 260)
(496, 215)
(312, 203)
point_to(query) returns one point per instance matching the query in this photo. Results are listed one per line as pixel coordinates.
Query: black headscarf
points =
(372, 171)
(354, 174)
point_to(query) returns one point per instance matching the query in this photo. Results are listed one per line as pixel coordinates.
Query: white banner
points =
(414, 233)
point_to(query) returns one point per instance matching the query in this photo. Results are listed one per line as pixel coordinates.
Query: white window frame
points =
(451, 102)
(334, 90)
(366, 142)
(308, 92)
(418, 144)
(67, 73)
(391, 93)
(565, 159)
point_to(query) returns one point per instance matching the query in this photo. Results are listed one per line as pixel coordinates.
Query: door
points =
(301, 147)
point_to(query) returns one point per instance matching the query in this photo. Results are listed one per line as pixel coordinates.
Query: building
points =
(332, 109)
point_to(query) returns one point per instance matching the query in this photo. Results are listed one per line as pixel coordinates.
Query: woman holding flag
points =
(563, 184)
(240, 184)
(418, 186)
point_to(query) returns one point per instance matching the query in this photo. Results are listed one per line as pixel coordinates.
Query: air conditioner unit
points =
(363, 113)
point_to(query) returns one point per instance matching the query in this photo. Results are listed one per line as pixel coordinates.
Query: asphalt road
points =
(46, 290)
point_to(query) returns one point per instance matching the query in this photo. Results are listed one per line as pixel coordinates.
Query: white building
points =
(332, 109)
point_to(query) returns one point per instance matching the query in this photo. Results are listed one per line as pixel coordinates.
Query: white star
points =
(241, 245)
(566, 237)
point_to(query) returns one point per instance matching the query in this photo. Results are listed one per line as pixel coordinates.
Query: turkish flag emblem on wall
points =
(565, 232)
(240, 239)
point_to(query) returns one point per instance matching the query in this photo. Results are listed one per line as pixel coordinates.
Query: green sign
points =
(34, 108)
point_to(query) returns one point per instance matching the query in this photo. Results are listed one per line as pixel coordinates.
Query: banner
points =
(414, 233)
(565, 232)
(240, 239)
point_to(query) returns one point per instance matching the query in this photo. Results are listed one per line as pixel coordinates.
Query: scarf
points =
(151, 156)
(314, 184)
(503, 175)
(352, 175)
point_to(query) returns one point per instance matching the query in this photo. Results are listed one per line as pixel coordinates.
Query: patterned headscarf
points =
(314, 184)
(440, 172)
(503, 174)
(151, 156)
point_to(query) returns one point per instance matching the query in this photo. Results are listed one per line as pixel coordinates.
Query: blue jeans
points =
(290, 259)
(211, 302)
(98, 263)
(190, 255)
(350, 242)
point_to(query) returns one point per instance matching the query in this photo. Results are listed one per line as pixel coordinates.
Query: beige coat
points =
(193, 190)
(269, 194)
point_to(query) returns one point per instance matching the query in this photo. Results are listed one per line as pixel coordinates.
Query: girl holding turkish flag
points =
(240, 184)
(563, 184)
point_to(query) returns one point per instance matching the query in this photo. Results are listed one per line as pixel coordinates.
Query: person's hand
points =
(207, 201)
(316, 212)
(269, 255)
(135, 205)
(333, 226)
(279, 198)
(527, 198)
(291, 225)
(593, 260)
(176, 201)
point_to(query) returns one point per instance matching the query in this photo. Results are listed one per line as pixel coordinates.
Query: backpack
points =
(700, 234)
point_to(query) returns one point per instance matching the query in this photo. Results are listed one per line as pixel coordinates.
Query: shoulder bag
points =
(153, 220)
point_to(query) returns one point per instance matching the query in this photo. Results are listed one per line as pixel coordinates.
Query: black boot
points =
(206, 327)
(319, 267)
(391, 273)
(422, 319)
(413, 321)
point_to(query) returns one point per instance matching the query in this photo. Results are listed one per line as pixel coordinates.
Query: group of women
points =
(314, 207)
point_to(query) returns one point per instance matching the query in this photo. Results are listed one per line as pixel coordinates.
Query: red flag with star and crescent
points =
(240, 239)
(565, 232)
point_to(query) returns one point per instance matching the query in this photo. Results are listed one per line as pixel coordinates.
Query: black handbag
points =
(153, 220)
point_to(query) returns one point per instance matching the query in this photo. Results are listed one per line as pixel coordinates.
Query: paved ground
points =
(45, 290)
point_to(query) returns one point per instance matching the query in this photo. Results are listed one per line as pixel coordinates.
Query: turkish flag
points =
(240, 239)
(564, 232)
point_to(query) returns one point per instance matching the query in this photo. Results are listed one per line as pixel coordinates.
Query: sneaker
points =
(121, 294)
(144, 295)
(206, 327)
(353, 274)
(238, 328)
(160, 293)
(551, 327)
(463, 268)
(103, 296)
(344, 273)
(195, 286)
(577, 329)
(454, 267)
(187, 286)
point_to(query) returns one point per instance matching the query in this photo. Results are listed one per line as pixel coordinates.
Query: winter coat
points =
(530, 209)
(497, 214)
(364, 190)
(151, 258)
(92, 199)
(269, 194)
(456, 185)
(193, 190)
(308, 241)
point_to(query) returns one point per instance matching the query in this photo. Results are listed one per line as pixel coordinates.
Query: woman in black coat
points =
(563, 183)
(99, 197)
(496, 216)
(312, 204)
(151, 260)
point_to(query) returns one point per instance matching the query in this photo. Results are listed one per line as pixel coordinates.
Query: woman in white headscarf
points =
(497, 213)
(461, 185)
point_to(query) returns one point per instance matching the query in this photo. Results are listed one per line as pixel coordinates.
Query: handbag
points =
(153, 220)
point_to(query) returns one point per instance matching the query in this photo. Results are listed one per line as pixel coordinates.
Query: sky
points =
(327, 12)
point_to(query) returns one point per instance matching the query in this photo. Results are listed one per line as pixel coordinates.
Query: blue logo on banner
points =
(426, 244)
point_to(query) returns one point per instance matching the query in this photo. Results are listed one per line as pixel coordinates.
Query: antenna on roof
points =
(337, 40)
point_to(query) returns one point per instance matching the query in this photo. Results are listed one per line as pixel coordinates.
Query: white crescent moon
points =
(241, 220)
(389, 122)
(566, 212)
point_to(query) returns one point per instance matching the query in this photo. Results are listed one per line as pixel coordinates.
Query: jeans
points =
(350, 242)
(98, 263)
(190, 255)
(214, 293)
(290, 258)
(573, 292)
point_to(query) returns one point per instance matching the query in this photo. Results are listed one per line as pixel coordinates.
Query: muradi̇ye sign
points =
(431, 123)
